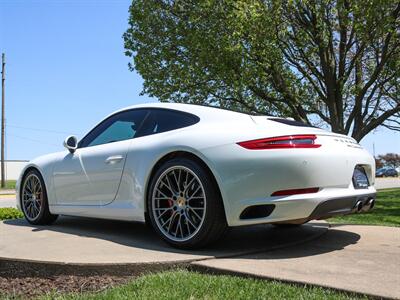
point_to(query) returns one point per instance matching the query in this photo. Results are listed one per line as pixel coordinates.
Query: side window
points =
(162, 120)
(119, 127)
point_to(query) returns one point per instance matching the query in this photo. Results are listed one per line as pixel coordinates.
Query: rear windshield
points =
(290, 122)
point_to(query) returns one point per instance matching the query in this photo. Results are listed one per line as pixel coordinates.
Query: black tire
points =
(214, 223)
(44, 217)
(147, 220)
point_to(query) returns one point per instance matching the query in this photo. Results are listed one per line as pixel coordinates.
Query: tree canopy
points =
(389, 160)
(329, 63)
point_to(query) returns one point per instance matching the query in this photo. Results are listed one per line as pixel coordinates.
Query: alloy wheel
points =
(32, 197)
(179, 203)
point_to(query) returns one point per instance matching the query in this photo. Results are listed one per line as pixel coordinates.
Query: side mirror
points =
(71, 143)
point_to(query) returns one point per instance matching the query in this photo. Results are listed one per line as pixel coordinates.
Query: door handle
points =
(114, 159)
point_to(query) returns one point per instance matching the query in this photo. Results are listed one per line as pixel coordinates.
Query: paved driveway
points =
(92, 241)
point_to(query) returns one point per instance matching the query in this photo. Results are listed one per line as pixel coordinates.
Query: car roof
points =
(203, 112)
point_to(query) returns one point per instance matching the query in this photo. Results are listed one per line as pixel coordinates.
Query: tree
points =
(330, 63)
(379, 163)
(390, 160)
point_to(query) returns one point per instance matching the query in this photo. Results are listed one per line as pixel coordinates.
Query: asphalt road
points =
(387, 183)
(7, 201)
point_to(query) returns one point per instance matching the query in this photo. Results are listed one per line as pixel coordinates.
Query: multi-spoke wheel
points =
(184, 204)
(34, 199)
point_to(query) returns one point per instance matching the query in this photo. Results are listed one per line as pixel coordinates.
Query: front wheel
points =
(184, 204)
(34, 202)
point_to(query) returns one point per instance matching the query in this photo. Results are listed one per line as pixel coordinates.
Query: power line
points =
(38, 129)
(33, 140)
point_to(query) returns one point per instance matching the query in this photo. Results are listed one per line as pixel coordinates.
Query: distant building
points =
(13, 168)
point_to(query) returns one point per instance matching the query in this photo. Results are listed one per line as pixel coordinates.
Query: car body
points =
(386, 172)
(308, 174)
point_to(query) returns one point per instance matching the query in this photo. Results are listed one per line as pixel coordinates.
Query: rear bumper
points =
(324, 204)
(340, 206)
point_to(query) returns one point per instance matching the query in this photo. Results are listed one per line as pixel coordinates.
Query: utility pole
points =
(3, 123)
(373, 147)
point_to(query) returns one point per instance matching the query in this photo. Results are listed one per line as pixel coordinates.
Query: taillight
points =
(282, 142)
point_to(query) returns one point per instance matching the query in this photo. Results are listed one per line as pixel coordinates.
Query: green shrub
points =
(7, 213)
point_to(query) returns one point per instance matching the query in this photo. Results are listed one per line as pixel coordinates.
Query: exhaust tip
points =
(371, 203)
(358, 207)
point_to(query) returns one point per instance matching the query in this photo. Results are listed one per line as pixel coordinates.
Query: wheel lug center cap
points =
(180, 201)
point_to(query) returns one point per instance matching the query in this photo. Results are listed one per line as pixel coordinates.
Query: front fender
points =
(44, 164)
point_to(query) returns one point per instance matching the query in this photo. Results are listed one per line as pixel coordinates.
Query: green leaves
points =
(332, 62)
(7, 213)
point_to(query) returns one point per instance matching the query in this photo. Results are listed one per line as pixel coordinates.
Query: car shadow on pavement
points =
(237, 241)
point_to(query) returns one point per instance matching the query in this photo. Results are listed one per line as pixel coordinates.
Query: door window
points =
(119, 127)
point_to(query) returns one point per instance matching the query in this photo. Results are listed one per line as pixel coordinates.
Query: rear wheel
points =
(184, 204)
(34, 202)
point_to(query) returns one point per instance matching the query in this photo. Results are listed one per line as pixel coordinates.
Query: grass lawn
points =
(182, 284)
(386, 211)
(10, 185)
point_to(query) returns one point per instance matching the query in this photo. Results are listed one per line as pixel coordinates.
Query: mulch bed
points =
(28, 287)
(25, 279)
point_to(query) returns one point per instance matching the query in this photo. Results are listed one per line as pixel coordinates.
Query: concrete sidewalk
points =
(363, 259)
(97, 242)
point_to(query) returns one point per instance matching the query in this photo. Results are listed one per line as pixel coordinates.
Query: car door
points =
(92, 174)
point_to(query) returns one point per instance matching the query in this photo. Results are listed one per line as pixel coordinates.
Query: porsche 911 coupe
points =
(193, 171)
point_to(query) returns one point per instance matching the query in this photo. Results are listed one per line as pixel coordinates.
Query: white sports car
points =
(192, 171)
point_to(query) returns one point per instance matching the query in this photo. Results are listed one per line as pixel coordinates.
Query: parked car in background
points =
(386, 172)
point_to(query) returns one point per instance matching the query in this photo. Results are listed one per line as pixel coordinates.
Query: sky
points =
(66, 70)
